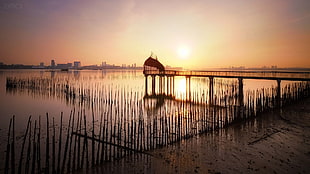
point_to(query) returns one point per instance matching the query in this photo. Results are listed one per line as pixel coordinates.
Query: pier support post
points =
(172, 93)
(279, 93)
(153, 85)
(188, 88)
(163, 85)
(240, 92)
(168, 85)
(160, 84)
(146, 88)
(211, 90)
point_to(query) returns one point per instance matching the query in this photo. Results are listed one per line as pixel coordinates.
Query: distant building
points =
(104, 64)
(64, 66)
(77, 64)
(53, 64)
(41, 64)
(274, 67)
(92, 67)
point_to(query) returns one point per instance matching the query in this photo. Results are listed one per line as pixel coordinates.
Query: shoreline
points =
(273, 142)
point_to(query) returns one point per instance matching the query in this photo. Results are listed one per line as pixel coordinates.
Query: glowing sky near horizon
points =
(223, 33)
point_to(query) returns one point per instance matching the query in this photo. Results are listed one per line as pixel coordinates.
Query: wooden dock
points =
(166, 80)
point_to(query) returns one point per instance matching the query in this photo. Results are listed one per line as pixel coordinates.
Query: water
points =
(115, 100)
(23, 103)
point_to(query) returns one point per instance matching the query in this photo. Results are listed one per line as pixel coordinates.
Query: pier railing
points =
(269, 75)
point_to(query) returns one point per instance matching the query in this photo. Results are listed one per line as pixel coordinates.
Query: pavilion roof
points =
(154, 63)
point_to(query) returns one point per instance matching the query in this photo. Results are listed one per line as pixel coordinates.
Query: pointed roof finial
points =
(153, 55)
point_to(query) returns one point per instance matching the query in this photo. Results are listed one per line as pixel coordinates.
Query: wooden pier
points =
(166, 80)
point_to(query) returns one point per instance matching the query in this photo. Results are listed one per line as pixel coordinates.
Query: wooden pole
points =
(38, 146)
(146, 85)
(53, 148)
(153, 84)
(13, 147)
(6, 170)
(279, 93)
(34, 148)
(70, 143)
(66, 145)
(28, 151)
(93, 135)
(47, 146)
(23, 146)
(59, 143)
(240, 91)
(211, 84)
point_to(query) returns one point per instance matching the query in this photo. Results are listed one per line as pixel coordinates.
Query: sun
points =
(183, 52)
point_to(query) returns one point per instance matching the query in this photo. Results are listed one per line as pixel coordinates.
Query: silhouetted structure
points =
(77, 64)
(152, 64)
(53, 64)
(153, 68)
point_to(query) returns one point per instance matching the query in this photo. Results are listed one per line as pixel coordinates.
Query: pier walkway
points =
(266, 75)
(153, 68)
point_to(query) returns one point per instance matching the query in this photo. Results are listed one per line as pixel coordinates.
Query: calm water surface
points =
(23, 103)
(117, 95)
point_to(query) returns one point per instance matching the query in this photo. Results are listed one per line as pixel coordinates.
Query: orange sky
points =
(212, 33)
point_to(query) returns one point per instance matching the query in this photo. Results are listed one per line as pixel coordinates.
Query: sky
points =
(194, 34)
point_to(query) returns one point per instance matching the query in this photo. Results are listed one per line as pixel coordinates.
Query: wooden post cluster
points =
(165, 85)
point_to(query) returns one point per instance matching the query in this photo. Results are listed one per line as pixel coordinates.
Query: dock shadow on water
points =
(110, 122)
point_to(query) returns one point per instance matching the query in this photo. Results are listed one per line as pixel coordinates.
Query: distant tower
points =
(77, 64)
(53, 64)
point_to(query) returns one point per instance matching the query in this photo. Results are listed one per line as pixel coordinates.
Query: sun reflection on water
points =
(180, 87)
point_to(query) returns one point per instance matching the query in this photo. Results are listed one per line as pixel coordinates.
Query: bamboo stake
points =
(75, 141)
(53, 148)
(79, 143)
(102, 144)
(59, 143)
(98, 147)
(23, 146)
(28, 151)
(13, 147)
(8, 150)
(93, 135)
(39, 147)
(70, 145)
(66, 145)
(47, 158)
(34, 148)
(85, 141)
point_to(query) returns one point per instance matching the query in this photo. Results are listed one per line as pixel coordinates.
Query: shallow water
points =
(23, 103)
(118, 98)
(273, 142)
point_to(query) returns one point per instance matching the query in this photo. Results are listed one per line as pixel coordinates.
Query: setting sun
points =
(183, 52)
